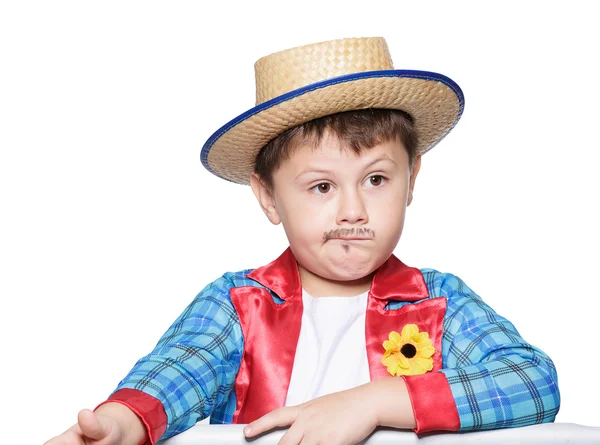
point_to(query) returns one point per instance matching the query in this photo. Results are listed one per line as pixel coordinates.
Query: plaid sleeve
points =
(497, 379)
(192, 369)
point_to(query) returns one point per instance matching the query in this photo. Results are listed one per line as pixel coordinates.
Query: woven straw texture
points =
(433, 105)
(289, 70)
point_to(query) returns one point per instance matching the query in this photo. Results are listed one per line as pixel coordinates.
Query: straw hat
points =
(301, 84)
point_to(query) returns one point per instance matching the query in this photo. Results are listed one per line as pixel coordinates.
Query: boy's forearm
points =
(133, 429)
(392, 400)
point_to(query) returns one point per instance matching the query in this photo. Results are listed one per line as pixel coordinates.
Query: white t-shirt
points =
(331, 354)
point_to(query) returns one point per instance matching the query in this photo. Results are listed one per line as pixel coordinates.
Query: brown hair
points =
(358, 129)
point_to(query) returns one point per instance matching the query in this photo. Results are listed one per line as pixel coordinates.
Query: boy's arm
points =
(495, 378)
(190, 371)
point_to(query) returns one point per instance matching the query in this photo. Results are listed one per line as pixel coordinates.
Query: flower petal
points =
(395, 337)
(391, 346)
(402, 371)
(415, 367)
(425, 351)
(391, 363)
(421, 337)
(408, 331)
(403, 361)
(425, 364)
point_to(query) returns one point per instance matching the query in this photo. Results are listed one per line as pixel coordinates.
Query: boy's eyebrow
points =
(311, 169)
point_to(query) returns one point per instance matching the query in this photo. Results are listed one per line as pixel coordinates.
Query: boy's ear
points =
(265, 198)
(413, 176)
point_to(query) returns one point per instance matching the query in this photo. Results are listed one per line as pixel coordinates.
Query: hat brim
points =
(434, 101)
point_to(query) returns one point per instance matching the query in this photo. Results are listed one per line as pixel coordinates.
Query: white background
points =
(110, 225)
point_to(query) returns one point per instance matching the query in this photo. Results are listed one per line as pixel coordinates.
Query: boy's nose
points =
(352, 208)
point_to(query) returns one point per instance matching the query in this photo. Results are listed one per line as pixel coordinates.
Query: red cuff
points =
(149, 409)
(432, 402)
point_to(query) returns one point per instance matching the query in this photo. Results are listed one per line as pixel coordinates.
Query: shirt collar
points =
(392, 281)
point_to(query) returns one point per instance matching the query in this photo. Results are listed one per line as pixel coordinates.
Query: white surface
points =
(109, 225)
(331, 355)
(546, 434)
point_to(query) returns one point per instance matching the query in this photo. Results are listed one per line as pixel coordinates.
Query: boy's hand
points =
(90, 429)
(110, 424)
(341, 418)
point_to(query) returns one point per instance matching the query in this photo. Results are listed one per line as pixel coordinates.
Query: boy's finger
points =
(91, 426)
(278, 417)
(293, 436)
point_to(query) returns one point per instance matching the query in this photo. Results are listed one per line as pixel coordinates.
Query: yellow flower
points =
(408, 353)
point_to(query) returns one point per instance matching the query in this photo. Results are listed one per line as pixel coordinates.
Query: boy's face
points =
(342, 213)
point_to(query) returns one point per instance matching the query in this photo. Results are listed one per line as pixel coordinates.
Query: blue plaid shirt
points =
(496, 378)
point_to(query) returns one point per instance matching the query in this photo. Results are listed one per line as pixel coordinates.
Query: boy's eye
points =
(376, 180)
(324, 187)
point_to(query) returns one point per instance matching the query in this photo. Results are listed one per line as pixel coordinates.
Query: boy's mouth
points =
(349, 234)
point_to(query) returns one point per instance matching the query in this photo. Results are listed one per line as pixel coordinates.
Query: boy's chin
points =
(352, 265)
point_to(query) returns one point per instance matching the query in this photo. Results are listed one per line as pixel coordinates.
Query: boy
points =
(336, 336)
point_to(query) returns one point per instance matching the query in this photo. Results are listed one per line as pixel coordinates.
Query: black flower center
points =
(408, 350)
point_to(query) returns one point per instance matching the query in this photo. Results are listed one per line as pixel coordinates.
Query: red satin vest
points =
(271, 330)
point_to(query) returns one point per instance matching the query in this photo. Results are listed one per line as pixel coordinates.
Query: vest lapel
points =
(271, 334)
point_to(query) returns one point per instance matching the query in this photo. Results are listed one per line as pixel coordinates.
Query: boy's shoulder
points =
(439, 283)
(229, 280)
(219, 289)
(240, 278)
(232, 279)
(449, 286)
(463, 304)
